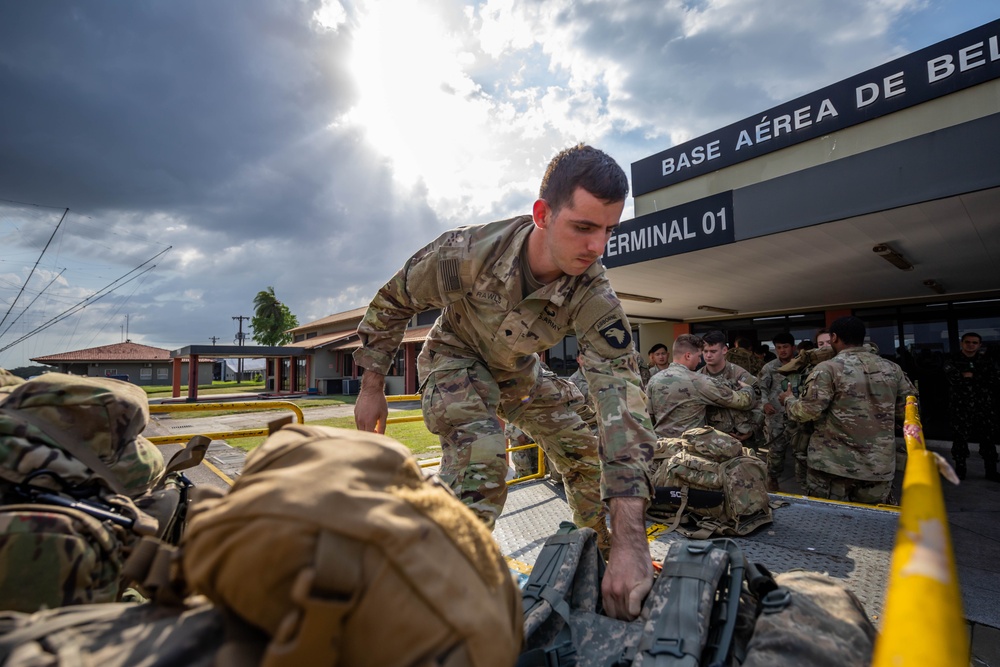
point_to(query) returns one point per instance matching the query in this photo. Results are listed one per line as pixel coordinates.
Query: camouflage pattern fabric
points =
(854, 400)
(771, 383)
(474, 274)
(461, 407)
(973, 387)
(798, 433)
(50, 555)
(106, 416)
(7, 382)
(834, 487)
(524, 461)
(714, 461)
(644, 371)
(745, 359)
(679, 398)
(735, 422)
(823, 625)
(54, 556)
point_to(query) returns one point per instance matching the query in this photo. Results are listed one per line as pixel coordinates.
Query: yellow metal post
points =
(923, 622)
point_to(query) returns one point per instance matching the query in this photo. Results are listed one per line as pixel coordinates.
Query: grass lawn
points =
(412, 434)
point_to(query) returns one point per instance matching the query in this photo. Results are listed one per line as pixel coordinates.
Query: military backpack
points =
(706, 483)
(709, 606)
(79, 486)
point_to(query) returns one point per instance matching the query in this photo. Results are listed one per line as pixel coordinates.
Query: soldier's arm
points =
(721, 395)
(815, 399)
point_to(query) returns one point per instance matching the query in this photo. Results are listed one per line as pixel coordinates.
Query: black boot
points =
(991, 471)
(960, 468)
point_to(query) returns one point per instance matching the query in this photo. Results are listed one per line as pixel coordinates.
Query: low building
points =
(136, 363)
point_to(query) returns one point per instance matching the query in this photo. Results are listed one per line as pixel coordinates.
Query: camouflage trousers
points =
(462, 407)
(777, 445)
(798, 435)
(834, 487)
(972, 428)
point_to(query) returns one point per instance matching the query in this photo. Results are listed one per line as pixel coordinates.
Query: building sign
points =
(692, 226)
(949, 66)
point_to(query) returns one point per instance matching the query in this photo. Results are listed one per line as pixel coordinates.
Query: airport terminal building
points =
(877, 196)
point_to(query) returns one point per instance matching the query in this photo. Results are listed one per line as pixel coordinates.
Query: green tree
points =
(271, 319)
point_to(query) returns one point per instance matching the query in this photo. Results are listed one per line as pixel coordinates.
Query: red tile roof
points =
(118, 352)
(337, 318)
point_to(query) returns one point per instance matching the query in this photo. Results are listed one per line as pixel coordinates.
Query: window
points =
(145, 373)
(110, 371)
(428, 317)
(162, 373)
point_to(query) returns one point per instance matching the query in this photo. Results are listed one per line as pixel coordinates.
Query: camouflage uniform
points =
(745, 359)
(644, 371)
(480, 360)
(732, 421)
(971, 408)
(854, 399)
(798, 433)
(679, 398)
(771, 381)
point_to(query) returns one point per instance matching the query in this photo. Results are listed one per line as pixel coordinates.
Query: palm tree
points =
(272, 319)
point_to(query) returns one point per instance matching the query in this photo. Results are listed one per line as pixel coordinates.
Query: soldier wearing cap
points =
(509, 290)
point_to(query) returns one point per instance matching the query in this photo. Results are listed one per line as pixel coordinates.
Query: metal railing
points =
(923, 623)
(212, 407)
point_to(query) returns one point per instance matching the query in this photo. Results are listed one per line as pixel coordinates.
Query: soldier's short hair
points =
(744, 342)
(657, 347)
(850, 330)
(687, 343)
(715, 338)
(783, 338)
(586, 167)
(971, 334)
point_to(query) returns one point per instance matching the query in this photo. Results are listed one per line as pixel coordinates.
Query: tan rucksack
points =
(707, 479)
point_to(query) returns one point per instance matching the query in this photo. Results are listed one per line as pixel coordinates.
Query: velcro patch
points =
(616, 334)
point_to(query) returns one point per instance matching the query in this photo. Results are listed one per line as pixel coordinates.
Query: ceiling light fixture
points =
(934, 286)
(727, 311)
(893, 257)
(638, 297)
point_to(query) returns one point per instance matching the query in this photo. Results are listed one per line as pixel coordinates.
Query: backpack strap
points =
(541, 588)
(678, 634)
(192, 455)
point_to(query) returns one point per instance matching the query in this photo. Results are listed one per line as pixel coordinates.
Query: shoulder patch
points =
(615, 334)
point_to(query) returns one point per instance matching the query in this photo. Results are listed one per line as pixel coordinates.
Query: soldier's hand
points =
(630, 570)
(769, 409)
(371, 408)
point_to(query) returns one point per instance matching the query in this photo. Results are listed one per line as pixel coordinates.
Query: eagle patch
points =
(616, 334)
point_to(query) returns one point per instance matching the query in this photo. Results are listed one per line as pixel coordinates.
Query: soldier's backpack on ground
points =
(708, 606)
(78, 486)
(332, 548)
(706, 483)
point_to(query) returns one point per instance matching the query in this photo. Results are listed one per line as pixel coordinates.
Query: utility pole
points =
(213, 339)
(239, 341)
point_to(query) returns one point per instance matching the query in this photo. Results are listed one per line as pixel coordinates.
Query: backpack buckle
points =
(667, 646)
(776, 601)
(563, 655)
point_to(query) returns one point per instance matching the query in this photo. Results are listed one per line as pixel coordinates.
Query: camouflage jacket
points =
(972, 381)
(769, 381)
(745, 359)
(678, 399)
(854, 399)
(580, 380)
(474, 275)
(734, 374)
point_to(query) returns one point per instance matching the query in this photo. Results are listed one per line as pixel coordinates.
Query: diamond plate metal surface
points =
(853, 544)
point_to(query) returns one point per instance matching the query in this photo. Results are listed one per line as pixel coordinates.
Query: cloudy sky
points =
(208, 149)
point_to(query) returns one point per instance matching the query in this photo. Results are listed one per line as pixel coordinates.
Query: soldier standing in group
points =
(679, 397)
(854, 398)
(771, 383)
(973, 382)
(659, 358)
(741, 424)
(509, 290)
(798, 433)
